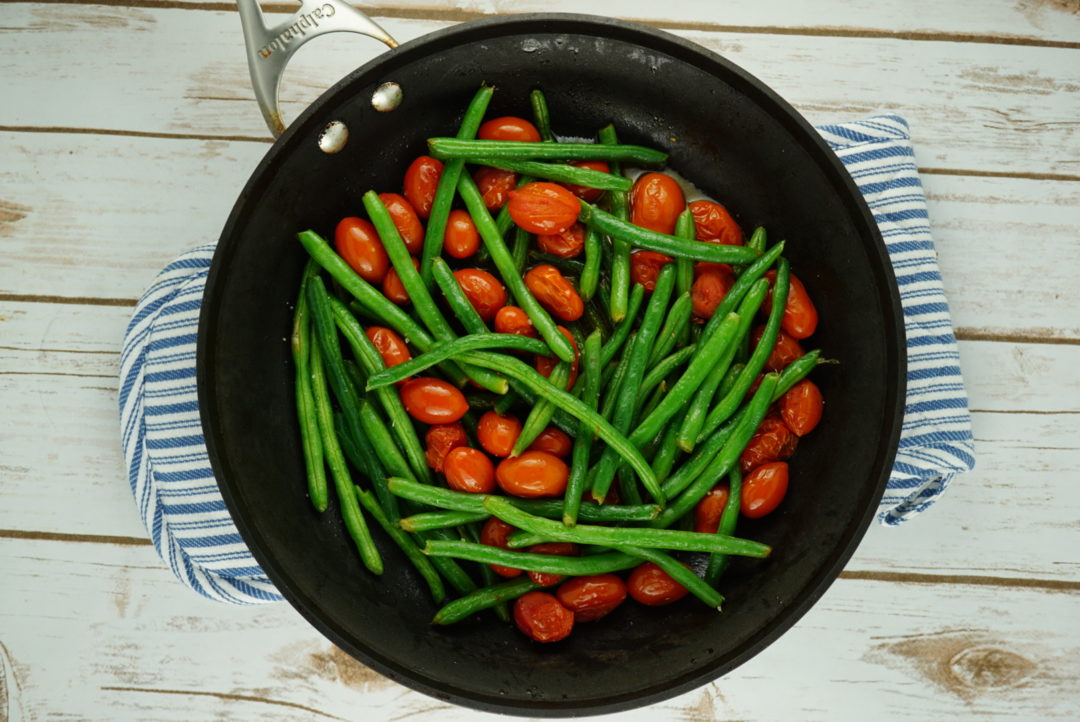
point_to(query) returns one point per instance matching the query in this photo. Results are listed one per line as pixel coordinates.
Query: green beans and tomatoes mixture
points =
(549, 379)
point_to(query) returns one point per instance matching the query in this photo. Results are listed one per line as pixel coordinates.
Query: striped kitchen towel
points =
(178, 498)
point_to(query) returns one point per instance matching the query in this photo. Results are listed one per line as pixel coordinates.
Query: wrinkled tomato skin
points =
(656, 201)
(800, 317)
(497, 433)
(568, 244)
(390, 346)
(461, 238)
(509, 127)
(433, 401)
(534, 474)
(511, 319)
(772, 441)
(542, 618)
(421, 181)
(394, 289)
(356, 241)
(554, 441)
(708, 511)
(590, 195)
(495, 185)
(554, 292)
(469, 470)
(784, 351)
(650, 585)
(494, 534)
(645, 267)
(483, 290)
(546, 364)
(709, 289)
(592, 597)
(405, 220)
(543, 208)
(440, 440)
(713, 224)
(801, 407)
(763, 489)
(562, 549)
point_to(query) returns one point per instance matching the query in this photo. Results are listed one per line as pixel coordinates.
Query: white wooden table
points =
(126, 129)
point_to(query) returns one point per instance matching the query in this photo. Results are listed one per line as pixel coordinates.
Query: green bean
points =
(685, 228)
(540, 113)
(667, 450)
(727, 405)
(541, 413)
(623, 417)
(408, 547)
(521, 392)
(531, 561)
(361, 451)
(703, 398)
(501, 608)
(360, 455)
(500, 256)
(622, 330)
(443, 148)
(503, 221)
(591, 273)
(481, 599)
(691, 379)
(444, 193)
(583, 440)
(664, 367)
(729, 379)
(550, 508)
(674, 569)
(757, 242)
(524, 540)
(613, 536)
(661, 242)
(653, 400)
(314, 465)
(428, 520)
(456, 299)
(611, 396)
(379, 442)
(676, 327)
(728, 517)
(443, 351)
(620, 262)
(559, 173)
(727, 457)
(449, 568)
(741, 287)
(566, 266)
(339, 471)
(521, 249)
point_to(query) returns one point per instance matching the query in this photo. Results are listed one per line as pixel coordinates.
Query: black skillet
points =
(727, 133)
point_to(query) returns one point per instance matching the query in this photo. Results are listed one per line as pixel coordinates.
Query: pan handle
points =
(269, 48)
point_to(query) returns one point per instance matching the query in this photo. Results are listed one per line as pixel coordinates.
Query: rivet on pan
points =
(387, 97)
(333, 137)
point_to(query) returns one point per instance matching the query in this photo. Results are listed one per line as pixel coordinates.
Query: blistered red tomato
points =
(656, 201)
(494, 534)
(495, 185)
(714, 224)
(543, 207)
(800, 317)
(772, 441)
(650, 585)
(709, 289)
(554, 292)
(483, 290)
(461, 238)
(421, 181)
(568, 244)
(394, 289)
(708, 511)
(433, 401)
(390, 346)
(405, 220)
(356, 241)
(801, 407)
(511, 319)
(554, 441)
(498, 433)
(784, 351)
(645, 267)
(763, 489)
(509, 127)
(440, 440)
(533, 474)
(561, 549)
(469, 470)
(584, 192)
(541, 617)
(592, 597)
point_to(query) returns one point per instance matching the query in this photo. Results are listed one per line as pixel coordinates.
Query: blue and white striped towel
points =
(178, 498)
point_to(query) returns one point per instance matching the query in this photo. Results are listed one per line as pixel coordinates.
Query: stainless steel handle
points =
(269, 49)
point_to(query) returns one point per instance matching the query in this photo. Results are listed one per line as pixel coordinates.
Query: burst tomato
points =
(494, 534)
(568, 244)
(584, 192)
(554, 292)
(498, 433)
(483, 290)
(495, 185)
(709, 289)
(801, 407)
(511, 319)
(542, 618)
(469, 470)
(543, 207)
(440, 440)
(714, 224)
(656, 202)
(592, 597)
(772, 441)
(645, 267)
(650, 585)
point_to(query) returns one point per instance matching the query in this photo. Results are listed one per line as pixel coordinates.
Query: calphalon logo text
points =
(297, 29)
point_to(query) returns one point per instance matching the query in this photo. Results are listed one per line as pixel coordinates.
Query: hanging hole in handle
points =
(387, 97)
(333, 137)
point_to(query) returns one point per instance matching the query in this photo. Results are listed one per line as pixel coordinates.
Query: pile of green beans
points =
(661, 401)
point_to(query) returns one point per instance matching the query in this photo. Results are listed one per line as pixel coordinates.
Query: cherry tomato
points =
(494, 533)
(554, 441)
(584, 192)
(405, 220)
(483, 290)
(568, 244)
(763, 489)
(509, 128)
(461, 239)
(421, 181)
(498, 434)
(650, 585)
(469, 470)
(709, 289)
(545, 364)
(645, 267)
(784, 352)
(433, 401)
(495, 185)
(562, 549)
(714, 224)
(800, 317)
(801, 407)
(441, 439)
(394, 289)
(533, 474)
(511, 319)
(772, 441)
(390, 346)
(708, 510)
(554, 292)
(356, 241)
(656, 202)
(542, 617)
(591, 597)
(543, 207)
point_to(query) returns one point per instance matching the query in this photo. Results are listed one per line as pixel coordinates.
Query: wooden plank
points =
(155, 650)
(1017, 106)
